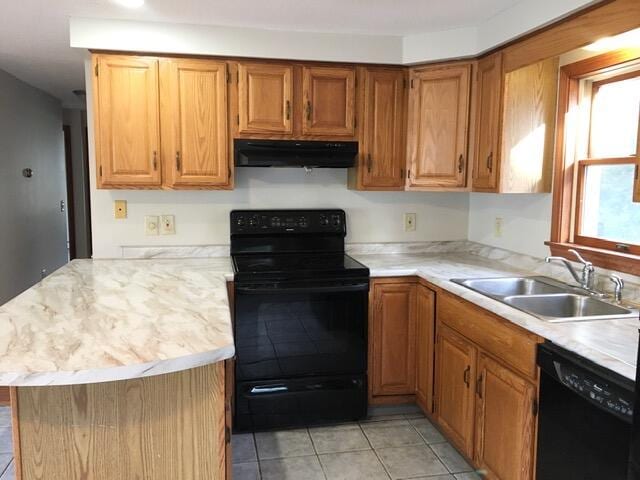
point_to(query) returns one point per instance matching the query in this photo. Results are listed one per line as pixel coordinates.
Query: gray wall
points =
(33, 230)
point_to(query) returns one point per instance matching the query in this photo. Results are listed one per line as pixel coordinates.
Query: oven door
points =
(300, 329)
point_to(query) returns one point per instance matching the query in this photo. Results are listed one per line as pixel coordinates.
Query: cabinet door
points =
(438, 126)
(329, 94)
(393, 339)
(265, 93)
(505, 422)
(488, 112)
(194, 96)
(425, 338)
(127, 124)
(382, 159)
(455, 383)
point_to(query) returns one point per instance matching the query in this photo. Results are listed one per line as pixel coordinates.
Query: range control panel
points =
(262, 222)
(609, 396)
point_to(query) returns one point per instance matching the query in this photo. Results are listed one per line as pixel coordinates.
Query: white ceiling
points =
(34, 34)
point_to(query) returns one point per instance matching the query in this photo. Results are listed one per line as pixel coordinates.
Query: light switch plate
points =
(120, 209)
(167, 225)
(497, 227)
(151, 226)
(409, 222)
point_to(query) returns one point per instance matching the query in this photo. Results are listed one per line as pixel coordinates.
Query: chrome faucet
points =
(618, 287)
(586, 279)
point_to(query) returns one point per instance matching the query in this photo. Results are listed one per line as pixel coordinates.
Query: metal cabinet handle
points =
(479, 386)
(309, 109)
(155, 160)
(177, 160)
(402, 173)
(460, 163)
(465, 375)
(490, 162)
(288, 109)
(369, 162)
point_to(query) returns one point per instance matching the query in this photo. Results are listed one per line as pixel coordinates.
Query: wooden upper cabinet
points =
(528, 128)
(505, 422)
(126, 121)
(194, 116)
(265, 98)
(382, 103)
(487, 125)
(328, 100)
(455, 387)
(438, 126)
(425, 338)
(393, 335)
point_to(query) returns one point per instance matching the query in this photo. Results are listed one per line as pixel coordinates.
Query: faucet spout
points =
(567, 264)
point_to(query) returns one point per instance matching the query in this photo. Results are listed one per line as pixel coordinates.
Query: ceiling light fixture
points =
(130, 3)
(630, 39)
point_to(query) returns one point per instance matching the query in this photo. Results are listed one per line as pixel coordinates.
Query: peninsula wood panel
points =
(438, 126)
(194, 117)
(486, 161)
(528, 128)
(127, 124)
(265, 98)
(328, 100)
(393, 332)
(455, 387)
(166, 427)
(505, 422)
(425, 342)
(382, 140)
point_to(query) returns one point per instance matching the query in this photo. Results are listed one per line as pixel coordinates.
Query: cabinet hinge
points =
(100, 170)
(534, 407)
(227, 434)
(228, 75)
(96, 69)
(238, 119)
(412, 83)
(238, 77)
(404, 83)
(229, 172)
(409, 173)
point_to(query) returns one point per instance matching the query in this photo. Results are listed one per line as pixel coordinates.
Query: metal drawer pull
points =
(465, 375)
(479, 386)
(460, 163)
(490, 162)
(288, 109)
(309, 110)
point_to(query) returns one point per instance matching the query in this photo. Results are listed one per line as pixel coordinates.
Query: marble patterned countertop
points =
(612, 344)
(103, 320)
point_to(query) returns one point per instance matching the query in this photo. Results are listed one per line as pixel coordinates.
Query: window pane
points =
(614, 119)
(607, 209)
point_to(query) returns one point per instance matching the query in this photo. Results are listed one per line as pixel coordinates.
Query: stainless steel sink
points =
(560, 307)
(547, 299)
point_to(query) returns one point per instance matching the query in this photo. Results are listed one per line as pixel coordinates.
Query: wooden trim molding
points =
(17, 454)
(567, 166)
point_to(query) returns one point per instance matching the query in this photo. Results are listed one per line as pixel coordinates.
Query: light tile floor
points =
(393, 443)
(6, 449)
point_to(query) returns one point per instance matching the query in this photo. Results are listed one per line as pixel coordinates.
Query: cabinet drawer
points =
(511, 344)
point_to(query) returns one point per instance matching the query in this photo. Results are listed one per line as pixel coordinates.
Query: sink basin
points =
(561, 307)
(547, 299)
(506, 287)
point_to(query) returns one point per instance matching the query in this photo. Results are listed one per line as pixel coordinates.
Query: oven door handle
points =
(268, 389)
(360, 287)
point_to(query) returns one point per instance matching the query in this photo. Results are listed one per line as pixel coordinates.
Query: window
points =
(596, 186)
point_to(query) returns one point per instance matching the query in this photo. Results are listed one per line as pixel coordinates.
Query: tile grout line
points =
(317, 455)
(384, 467)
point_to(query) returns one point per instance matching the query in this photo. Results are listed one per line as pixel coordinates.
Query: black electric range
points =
(300, 320)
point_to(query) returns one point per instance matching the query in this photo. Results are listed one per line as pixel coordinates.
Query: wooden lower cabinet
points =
(505, 422)
(456, 373)
(425, 339)
(392, 331)
(4, 395)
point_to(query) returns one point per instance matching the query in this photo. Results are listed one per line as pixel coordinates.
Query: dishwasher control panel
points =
(609, 396)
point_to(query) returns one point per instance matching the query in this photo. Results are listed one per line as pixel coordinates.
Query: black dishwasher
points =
(585, 418)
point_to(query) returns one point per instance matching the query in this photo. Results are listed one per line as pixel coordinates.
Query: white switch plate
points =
(167, 225)
(151, 225)
(409, 222)
(497, 227)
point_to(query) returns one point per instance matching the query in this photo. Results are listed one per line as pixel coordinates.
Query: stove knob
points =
(336, 220)
(275, 221)
(253, 221)
(324, 221)
(302, 222)
(240, 221)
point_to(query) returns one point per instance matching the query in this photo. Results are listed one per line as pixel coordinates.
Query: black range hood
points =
(294, 153)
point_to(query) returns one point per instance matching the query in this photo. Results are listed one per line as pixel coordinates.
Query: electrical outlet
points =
(497, 227)
(167, 225)
(409, 222)
(151, 225)
(120, 209)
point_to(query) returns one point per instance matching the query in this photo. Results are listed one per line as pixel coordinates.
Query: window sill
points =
(618, 261)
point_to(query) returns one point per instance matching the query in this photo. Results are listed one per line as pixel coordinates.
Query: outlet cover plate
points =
(120, 209)
(167, 225)
(151, 226)
(409, 222)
